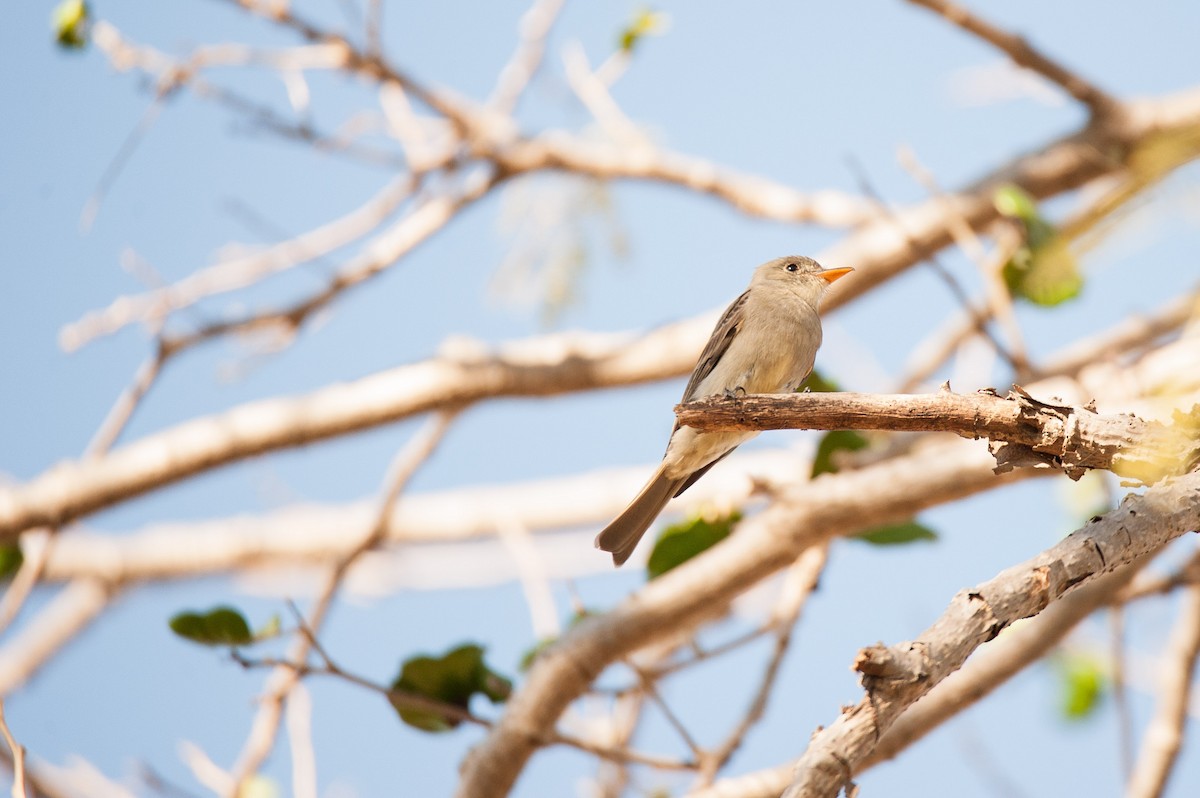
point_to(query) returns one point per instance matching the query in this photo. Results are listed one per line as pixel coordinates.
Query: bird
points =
(765, 342)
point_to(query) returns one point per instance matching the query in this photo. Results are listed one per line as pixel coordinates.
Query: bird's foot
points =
(735, 393)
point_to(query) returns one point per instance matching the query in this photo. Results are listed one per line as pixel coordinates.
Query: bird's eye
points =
(792, 267)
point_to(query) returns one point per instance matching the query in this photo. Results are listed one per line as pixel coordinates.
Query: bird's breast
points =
(776, 347)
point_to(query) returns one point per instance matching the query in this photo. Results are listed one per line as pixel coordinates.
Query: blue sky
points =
(794, 92)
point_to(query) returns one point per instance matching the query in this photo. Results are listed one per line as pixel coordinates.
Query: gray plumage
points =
(765, 342)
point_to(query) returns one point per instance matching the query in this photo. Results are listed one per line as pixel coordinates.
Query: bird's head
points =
(803, 275)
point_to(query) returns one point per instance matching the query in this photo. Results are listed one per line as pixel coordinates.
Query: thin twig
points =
(452, 712)
(298, 720)
(1116, 618)
(1163, 737)
(36, 547)
(18, 756)
(978, 316)
(799, 584)
(534, 30)
(71, 610)
(999, 298)
(648, 687)
(1186, 575)
(1024, 54)
(1124, 339)
(932, 353)
(372, 65)
(373, 28)
(127, 403)
(266, 723)
(391, 245)
(701, 654)
(238, 272)
(627, 712)
(128, 147)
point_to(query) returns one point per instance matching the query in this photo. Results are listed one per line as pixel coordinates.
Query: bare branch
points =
(1073, 438)
(959, 230)
(1130, 334)
(803, 516)
(36, 547)
(284, 679)
(874, 250)
(553, 365)
(55, 625)
(895, 677)
(993, 665)
(127, 404)
(537, 367)
(373, 27)
(410, 700)
(315, 534)
(999, 661)
(801, 581)
(18, 756)
(1187, 574)
(534, 28)
(239, 271)
(999, 299)
(1163, 738)
(879, 250)
(1024, 54)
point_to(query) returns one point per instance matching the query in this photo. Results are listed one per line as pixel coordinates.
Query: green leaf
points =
(1043, 270)
(645, 23)
(220, 626)
(71, 21)
(681, 542)
(835, 441)
(269, 629)
(453, 679)
(10, 560)
(897, 534)
(1084, 684)
(535, 651)
(1013, 202)
(816, 382)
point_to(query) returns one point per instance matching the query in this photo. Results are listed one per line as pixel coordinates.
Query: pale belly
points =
(689, 450)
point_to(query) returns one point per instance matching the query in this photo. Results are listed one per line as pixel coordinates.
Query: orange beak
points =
(829, 275)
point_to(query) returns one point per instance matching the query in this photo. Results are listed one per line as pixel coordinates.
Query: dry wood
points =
(896, 676)
(1023, 430)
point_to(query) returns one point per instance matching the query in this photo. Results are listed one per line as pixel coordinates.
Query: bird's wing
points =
(717, 345)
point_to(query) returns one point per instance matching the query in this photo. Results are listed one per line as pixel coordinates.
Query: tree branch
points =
(895, 677)
(878, 249)
(553, 365)
(1024, 54)
(806, 515)
(265, 726)
(1163, 737)
(993, 665)
(1034, 432)
(463, 374)
(17, 751)
(71, 610)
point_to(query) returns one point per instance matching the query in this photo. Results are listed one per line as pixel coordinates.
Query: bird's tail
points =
(622, 535)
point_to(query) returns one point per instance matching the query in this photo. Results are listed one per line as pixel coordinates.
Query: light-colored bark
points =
(840, 504)
(1031, 431)
(897, 676)
(987, 670)
(1163, 738)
